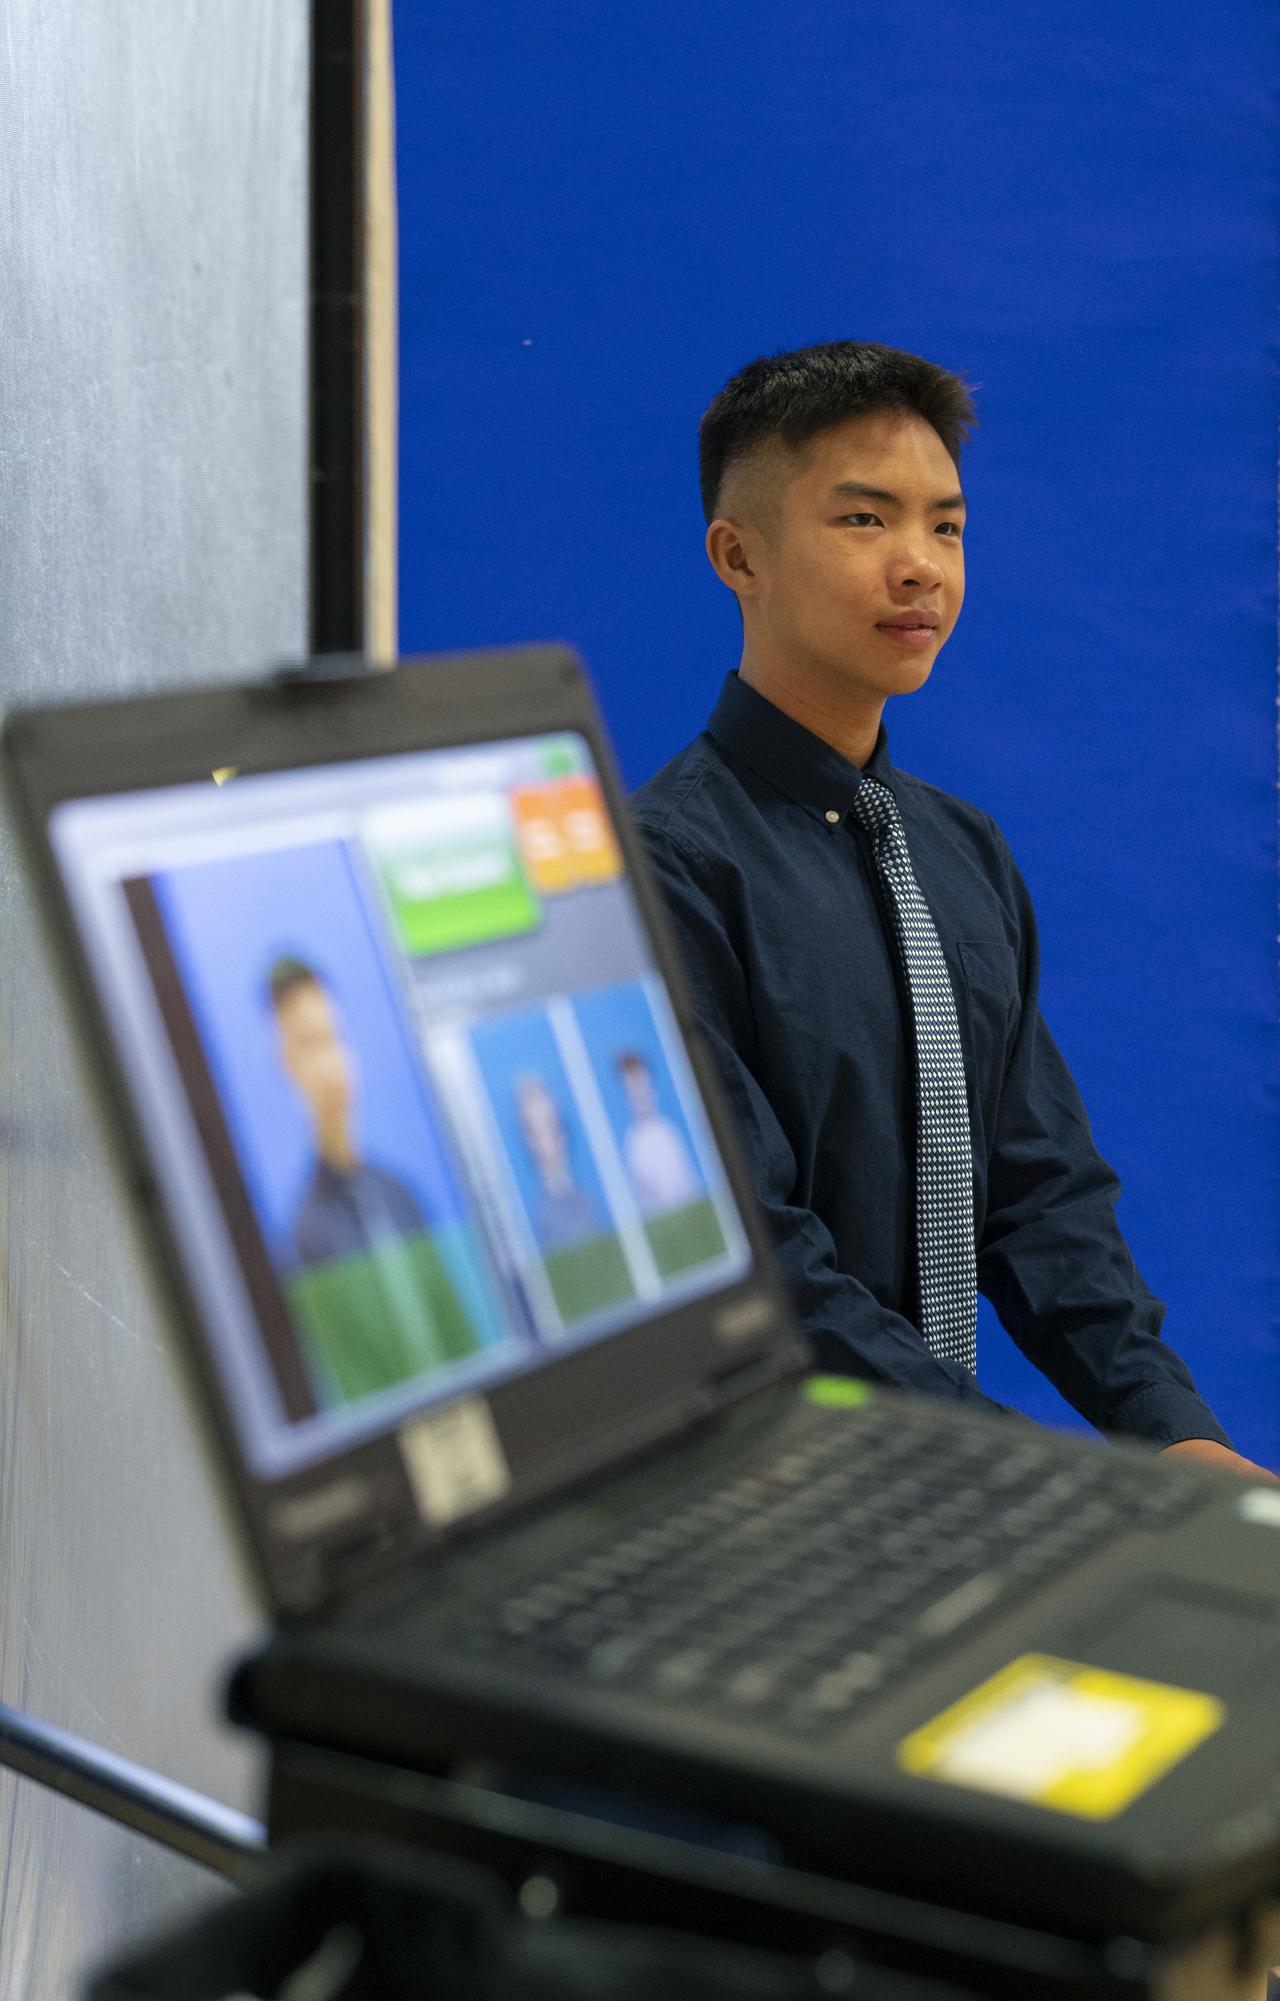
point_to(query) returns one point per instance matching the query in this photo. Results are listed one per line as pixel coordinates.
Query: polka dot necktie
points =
(944, 1152)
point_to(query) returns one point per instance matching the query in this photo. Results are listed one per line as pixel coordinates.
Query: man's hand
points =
(1207, 1452)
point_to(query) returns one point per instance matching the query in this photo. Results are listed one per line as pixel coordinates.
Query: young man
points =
(350, 1205)
(861, 947)
(372, 1299)
(659, 1166)
(565, 1213)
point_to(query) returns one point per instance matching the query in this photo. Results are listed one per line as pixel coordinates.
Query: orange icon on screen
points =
(543, 847)
(564, 834)
(587, 830)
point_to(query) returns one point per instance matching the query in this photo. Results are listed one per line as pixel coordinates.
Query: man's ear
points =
(732, 550)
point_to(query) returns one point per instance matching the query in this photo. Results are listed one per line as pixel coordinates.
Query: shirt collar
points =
(788, 755)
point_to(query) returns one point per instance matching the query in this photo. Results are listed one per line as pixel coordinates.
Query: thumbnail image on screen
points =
(650, 1127)
(295, 1018)
(556, 1169)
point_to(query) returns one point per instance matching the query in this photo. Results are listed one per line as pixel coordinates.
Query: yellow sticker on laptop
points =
(1063, 1735)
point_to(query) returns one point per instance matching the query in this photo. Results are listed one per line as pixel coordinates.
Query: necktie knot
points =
(874, 806)
(875, 809)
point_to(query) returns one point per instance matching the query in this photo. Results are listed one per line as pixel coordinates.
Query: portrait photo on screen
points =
(341, 1145)
(542, 1123)
(665, 1176)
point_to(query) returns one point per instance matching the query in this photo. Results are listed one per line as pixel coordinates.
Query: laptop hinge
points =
(758, 1372)
(358, 1560)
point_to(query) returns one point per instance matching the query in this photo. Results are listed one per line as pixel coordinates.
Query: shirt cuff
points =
(1164, 1414)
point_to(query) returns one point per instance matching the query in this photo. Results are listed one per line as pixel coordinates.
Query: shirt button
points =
(834, 819)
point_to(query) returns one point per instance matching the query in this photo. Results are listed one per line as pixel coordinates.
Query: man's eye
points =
(860, 520)
(951, 528)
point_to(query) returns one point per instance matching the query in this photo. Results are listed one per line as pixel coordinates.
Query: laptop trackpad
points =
(1205, 1640)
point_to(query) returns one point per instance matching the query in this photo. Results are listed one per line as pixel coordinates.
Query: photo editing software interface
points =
(415, 1095)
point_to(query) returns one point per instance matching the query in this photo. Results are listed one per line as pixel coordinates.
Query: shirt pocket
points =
(990, 1005)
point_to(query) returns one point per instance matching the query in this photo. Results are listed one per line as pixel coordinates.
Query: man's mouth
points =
(916, 629)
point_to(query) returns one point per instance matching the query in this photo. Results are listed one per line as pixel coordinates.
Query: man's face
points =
(860, 575)
(314, 1053)
(638, 1085)
(542, 1127)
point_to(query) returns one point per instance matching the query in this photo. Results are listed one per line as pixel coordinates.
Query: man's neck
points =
(336, 1151)
(849, 723)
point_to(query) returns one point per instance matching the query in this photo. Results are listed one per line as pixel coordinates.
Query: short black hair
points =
(287, 974)
(795, 395)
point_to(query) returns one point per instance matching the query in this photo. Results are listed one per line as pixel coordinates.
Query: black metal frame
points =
(126, 1792)
(139, 1799)
(337, 423)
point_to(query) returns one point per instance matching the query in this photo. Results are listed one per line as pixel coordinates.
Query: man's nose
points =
(915, 567)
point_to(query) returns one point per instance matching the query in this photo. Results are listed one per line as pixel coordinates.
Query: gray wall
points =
(152, 532)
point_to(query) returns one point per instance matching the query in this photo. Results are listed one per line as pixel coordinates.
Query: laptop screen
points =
(408, 1073)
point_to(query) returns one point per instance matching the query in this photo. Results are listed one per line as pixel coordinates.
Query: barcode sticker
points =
(455, 1461)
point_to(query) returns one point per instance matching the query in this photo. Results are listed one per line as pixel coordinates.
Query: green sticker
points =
(837, 1392)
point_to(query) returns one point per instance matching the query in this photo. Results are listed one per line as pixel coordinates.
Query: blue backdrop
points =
(604, 212)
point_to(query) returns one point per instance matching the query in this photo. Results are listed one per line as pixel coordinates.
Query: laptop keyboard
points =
(795, 1590)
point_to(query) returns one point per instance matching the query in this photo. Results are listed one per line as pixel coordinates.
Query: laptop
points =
(510, 1410)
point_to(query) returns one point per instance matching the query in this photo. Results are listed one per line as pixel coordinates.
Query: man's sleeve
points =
(848, 1330)
(1052, 1259)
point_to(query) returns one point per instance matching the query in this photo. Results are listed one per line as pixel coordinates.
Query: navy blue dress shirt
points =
(798, 986)
(346, 1215)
